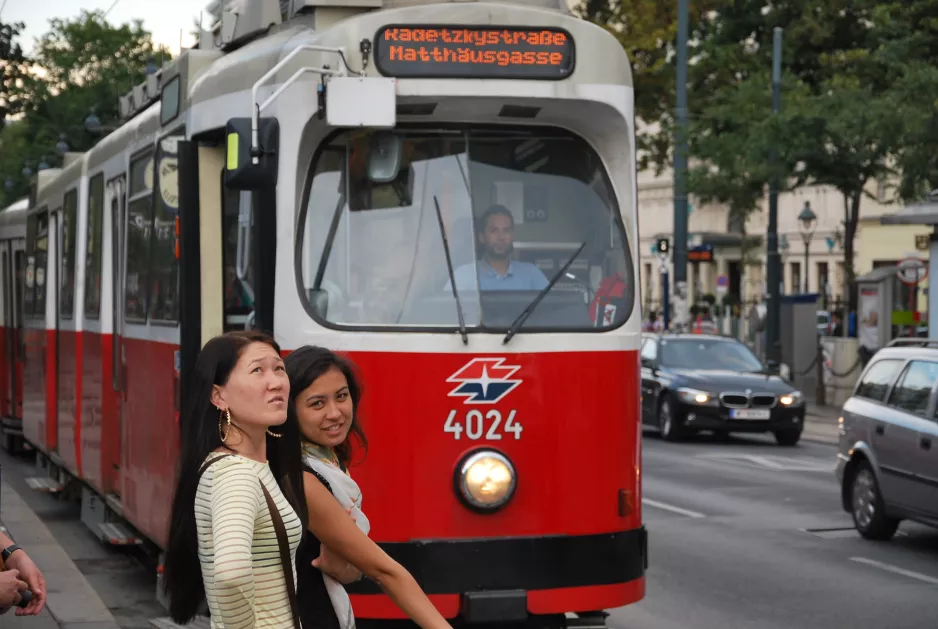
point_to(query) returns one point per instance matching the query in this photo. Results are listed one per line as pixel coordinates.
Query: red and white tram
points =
(12, 277)
(328, 171)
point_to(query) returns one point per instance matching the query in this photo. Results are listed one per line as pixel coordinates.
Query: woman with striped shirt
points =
(234, 533)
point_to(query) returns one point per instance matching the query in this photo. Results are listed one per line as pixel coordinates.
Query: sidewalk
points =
(71, 602)
(820, 424)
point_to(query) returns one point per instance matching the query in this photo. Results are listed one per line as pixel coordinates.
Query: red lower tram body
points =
(570, 539)
(116, 432)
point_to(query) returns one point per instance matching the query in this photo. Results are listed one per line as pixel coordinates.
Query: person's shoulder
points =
(233, 467)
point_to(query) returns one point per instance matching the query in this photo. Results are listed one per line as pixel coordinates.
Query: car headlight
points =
(791, 399)
(486, 480)
(697, 397)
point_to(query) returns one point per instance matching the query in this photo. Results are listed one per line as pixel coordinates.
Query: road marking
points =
(772, 462)
(896, 569)
(666, 507)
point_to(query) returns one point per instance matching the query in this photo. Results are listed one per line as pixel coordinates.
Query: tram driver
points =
(495, 270)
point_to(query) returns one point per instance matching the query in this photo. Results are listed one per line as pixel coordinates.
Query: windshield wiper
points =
(517, 323)
(452, 274)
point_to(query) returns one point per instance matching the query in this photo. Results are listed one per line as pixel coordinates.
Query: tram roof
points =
(18, 205)
(68, 176)
(129, 134)
(606, 60)
(14, 212)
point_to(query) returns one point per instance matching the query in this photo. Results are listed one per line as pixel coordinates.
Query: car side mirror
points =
(773, 367)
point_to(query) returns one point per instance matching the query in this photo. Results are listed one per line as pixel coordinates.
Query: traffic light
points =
(664, 246)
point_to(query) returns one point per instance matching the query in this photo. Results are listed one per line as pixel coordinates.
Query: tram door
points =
(114, 201)
(19, 349)
(11, 266)
(8, 407)
(66, 338)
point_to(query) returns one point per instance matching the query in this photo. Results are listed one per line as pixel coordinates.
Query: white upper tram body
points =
(595, 103)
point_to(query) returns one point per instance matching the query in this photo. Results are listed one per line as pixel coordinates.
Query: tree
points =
(837, 125)
(908, 51)
(12, 69)
(84, 65)
(844, 136)
(647, 30)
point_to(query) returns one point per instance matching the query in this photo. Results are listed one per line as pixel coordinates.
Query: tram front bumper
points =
(493, 576)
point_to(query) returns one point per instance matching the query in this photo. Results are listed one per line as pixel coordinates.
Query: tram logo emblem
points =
(484, 380)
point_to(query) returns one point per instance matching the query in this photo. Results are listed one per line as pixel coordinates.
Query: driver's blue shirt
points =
(520, 276)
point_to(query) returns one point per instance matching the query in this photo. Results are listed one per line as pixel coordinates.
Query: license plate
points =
(749, 413)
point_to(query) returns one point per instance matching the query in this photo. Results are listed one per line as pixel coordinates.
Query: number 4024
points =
(476, 423)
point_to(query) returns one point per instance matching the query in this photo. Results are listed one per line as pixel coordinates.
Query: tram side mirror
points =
(241, 173)
(384, 162)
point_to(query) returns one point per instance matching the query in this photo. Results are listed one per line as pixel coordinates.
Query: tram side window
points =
(37, 245)
(139, 226)
(67, 239)
(164, 266)
(93, 253)
(238, 293)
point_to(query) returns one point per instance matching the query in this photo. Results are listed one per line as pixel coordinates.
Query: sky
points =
(163, 18)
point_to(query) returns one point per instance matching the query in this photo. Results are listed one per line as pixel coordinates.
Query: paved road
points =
(125, 581)
(737, 539)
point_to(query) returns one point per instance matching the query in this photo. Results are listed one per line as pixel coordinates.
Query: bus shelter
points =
(924, 213)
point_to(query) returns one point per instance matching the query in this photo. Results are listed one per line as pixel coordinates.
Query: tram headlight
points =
(486, 480)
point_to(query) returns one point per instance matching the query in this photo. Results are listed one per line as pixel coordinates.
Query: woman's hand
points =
(29, 573)
(336, 566)
(10, 588)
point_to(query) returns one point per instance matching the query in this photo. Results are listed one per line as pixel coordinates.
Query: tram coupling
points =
(586, 620)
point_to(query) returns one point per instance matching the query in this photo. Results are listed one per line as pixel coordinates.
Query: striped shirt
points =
(244, 581)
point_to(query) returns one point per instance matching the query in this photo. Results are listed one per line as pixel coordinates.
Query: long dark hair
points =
(307, 364)
(182, 573)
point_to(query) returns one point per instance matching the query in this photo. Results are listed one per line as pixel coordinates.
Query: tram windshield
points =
(519, 209)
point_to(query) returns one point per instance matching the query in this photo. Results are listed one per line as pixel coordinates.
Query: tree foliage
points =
(859, 97)
(12, 69)
(79, 66)
(647, 30)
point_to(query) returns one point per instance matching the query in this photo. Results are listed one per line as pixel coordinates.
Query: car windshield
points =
(708, 355)
(515, 206)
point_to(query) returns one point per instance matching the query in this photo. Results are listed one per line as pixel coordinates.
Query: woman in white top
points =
(234, 533)
(324, 398)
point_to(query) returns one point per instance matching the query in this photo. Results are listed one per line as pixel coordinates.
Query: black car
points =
(695, 382)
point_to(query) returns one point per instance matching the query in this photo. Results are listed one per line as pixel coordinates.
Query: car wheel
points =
(788, 437)
(867, 506)
(667, 423)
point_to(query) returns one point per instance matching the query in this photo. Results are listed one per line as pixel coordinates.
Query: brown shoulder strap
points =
(285, 561)
(206, 465)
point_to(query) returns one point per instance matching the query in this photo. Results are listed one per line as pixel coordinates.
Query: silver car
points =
(887, 461)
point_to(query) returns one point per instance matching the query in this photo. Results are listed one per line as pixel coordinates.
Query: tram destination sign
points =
(474, 52)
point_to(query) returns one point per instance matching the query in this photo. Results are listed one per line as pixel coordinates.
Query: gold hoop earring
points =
(226, 414)
(273, 434)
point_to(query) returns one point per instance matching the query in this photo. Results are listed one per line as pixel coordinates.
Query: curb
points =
(70, 599)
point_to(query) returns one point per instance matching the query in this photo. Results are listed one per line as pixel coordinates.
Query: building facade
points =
(728, 260)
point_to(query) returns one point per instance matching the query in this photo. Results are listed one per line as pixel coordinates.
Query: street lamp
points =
(808, 221)
(62, 146)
